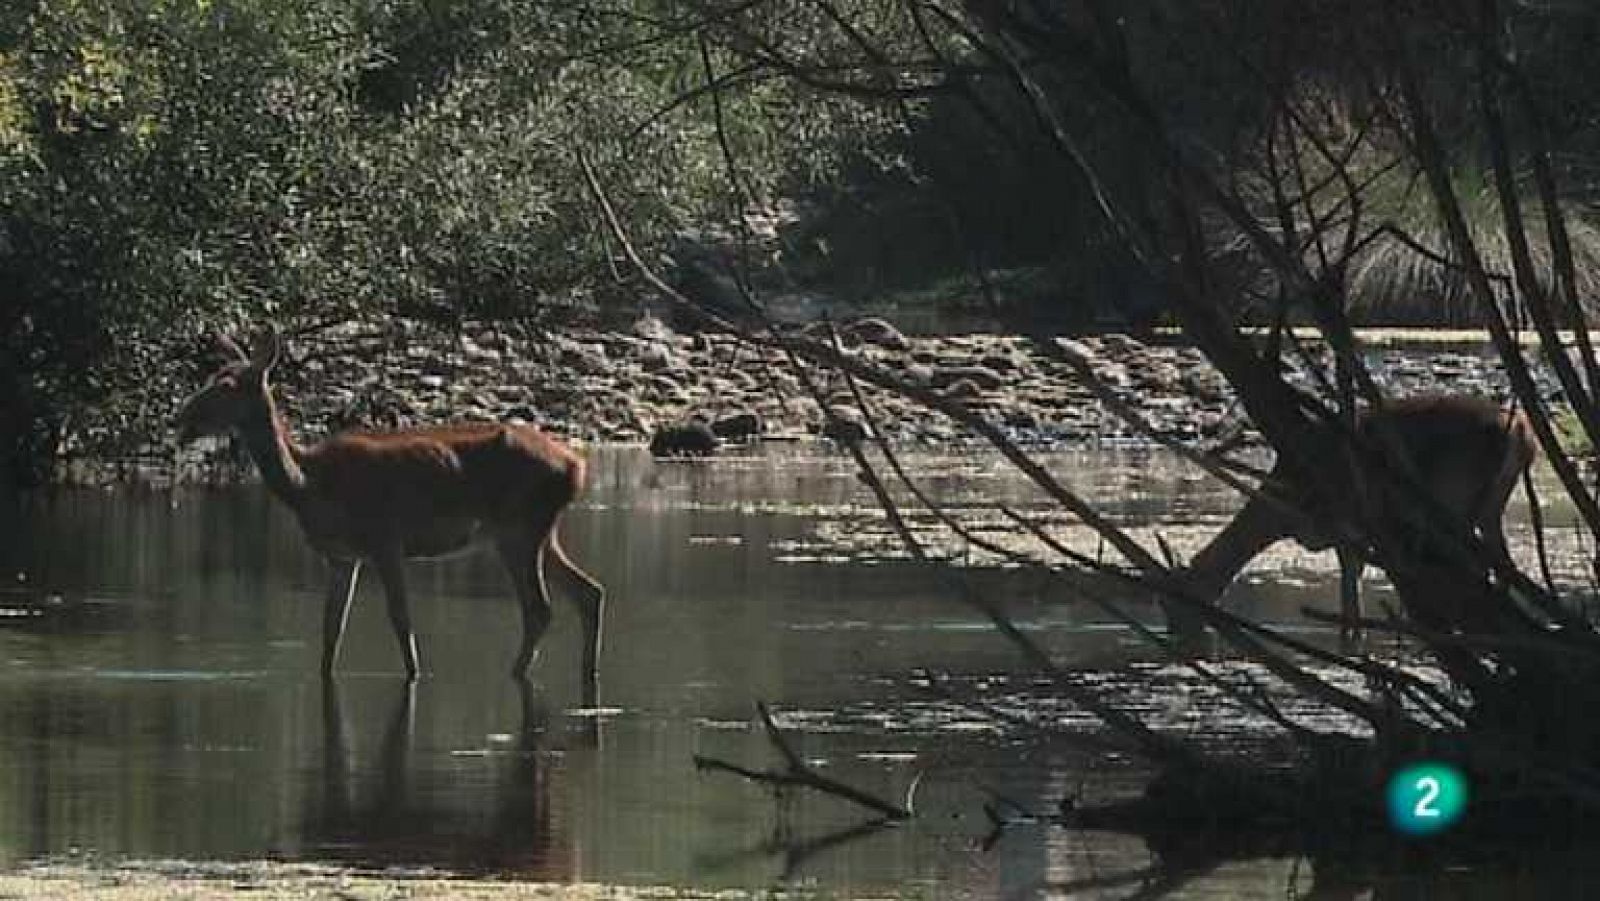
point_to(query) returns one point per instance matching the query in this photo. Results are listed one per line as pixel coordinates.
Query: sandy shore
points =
(266, 881)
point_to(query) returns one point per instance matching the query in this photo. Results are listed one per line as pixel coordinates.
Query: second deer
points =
(1467, 452)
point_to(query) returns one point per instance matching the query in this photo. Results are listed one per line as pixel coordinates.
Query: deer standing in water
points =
(1467, 453)
(382, 498)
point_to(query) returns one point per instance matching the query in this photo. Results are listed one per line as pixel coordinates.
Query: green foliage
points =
(1570, 434)
(168, 166)
(1392, 282)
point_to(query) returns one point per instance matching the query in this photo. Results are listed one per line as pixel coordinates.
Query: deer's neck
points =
(267, 437)
(1260, 524)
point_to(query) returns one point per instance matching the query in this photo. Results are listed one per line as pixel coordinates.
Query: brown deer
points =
(387, 497)
(1467, 453)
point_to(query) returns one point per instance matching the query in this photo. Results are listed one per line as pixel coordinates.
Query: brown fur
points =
(485, 471)
(1467, 453)
(385, 497)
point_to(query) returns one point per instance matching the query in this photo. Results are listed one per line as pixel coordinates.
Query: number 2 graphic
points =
(1429, 787)
(1426, 798)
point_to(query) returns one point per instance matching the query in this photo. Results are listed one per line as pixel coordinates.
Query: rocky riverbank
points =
(272, 881)
(625, 386)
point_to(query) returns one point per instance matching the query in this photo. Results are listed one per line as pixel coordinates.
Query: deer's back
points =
(1467, 451)
(1461, 432)
(479, 470)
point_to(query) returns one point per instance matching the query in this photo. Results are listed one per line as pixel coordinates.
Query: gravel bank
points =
(267, 881)
(625, 386)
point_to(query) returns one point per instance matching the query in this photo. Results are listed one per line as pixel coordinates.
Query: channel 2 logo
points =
(1426, 798)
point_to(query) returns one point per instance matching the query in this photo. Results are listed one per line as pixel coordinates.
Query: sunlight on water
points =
(158, 695)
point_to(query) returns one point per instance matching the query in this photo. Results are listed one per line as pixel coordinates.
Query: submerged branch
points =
(796, 773)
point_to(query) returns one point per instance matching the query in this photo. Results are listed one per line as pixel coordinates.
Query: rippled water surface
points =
(158, 695)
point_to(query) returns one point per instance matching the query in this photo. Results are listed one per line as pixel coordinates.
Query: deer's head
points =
(234, 392)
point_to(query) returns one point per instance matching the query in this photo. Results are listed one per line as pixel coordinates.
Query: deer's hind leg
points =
(587, 594)
(391, 569)
(522, 551)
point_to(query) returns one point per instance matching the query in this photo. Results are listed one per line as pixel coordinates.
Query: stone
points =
(963, 389)
(660, 386)
(651, 328)
(999, 362)
(477, 352)
(1121, 344)
(1020, 419)
(685, 439)
(583, 357)
(1157, 374)
(845, 426)
(985, 378)
(656, 356)
(875, 331)
(744, 425)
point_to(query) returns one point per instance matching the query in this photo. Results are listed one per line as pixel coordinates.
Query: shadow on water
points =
(1214, 862)
(792, 852)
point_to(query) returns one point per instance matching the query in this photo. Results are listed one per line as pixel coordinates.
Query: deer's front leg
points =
(391, 570)
(336, 609)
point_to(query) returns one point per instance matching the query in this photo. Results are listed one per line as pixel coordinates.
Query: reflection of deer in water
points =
(386, 497)
(1467, 453)
(403, 818)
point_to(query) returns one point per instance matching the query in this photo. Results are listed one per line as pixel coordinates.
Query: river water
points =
(159, 698)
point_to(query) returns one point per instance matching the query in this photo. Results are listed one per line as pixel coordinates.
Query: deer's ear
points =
(230, 348)
(268, 348)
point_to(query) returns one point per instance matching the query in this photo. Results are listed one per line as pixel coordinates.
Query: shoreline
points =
(279, 881)
(1390, 336)
(618, 387)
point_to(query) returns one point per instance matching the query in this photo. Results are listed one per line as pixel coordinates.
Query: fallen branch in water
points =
(798, 774)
